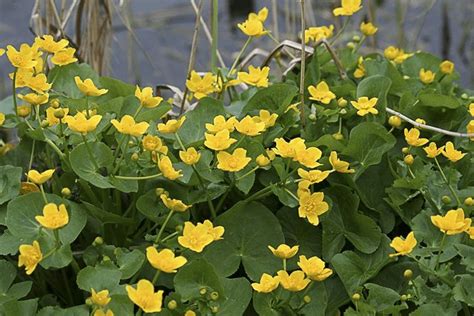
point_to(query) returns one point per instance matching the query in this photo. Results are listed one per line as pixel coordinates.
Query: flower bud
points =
(262, 161)
(445, 199)
(98, 241)
(338, 136)
(307, 299)
(54, 103)
(409, 160)
(403, 298)
(203, 291)
(23, 110)
(394, 121)
(408, 274)
(356, 38)
(405, 150)
(406, 77)
(214, 309)
(469, 201)
(135, 157)
(89, 302)
(105, 258)
(214, 296)
(66, 192)
(420, 121)
(59, 113)
(131, 143)
(44, 124)
(343, 111)
(172, 304)
(464, 96)
(356, 297)
(160, 191)
(341, 102)
(312, 117)
(350, 45)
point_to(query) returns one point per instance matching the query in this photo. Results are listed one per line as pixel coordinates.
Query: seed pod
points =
(356, 297)
(408, 274)
(59, 113)
(394, 121)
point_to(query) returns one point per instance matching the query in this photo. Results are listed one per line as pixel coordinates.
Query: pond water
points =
(164, 29)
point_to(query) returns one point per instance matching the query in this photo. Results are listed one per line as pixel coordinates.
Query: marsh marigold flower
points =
(166, 167)
(368, 29)
(220, 123)
(412, 137)
(190, 156)
(403, 246)
(174, 204)
(308, 157)
(146, 98)
(52, 119)
(294, 282)
(262, 160)
(314, 268)
(426, 76)
(127, 126)
(452, 223)
(250, 126)
(446, 67)
(269, 119)
(80, 124)
(451, 153)
(391, 52)
(289, 149)
(232, 162)
(30, 256)
(54, 217)
(267, 283)
(144, 296)
(64, 57)
(312, 205)
(253, 26)
(195, 237)
(432, 150)
(220, 141)
(154, 143)
(318, 33)
(48, 44)
(40, 178)
(321, 93)
(284, 251)
(339, 165)
(364, 106)
(100, 312)
(100, 298)
(171, 126)
(2, 118)
(348, 7)
(164, 260)
(215, 232)
(23, 110)
(24, 58)
(313, 176)
(38, 83)
(255, 76)
(202, 87)
(88, 87)
(360, 70)
(34, 99)
(471, 109)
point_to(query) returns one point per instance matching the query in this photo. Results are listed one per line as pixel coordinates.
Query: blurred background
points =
(148, 42)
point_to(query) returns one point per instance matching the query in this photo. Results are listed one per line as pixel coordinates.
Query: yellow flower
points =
(471, 109)
(314, 268)
(392, 52)
(308, 157)
(34, 99)
(284, 251)
(171, 126)
(2, 118)
(432, 150)
(339, 165)
(52, 119)
(88, 87)
(64, 57)
(2, 51)
(146, 97)
(30, 256)
(402, 57)
(23, 110)
(154, 143)
(144, 296)
(190, 313)
(318, 33)
(394, 121)
(451, 153)
(427, 76)
(303, 188)
(48, 44)
(253, 26)
(313, 176)
(195, 237)
(215, 232)
(220, 141)
(412, 137)
(294, 282)
(360, 71)
(23, 75)
(348, 7)
(365, 106)
(80, 124)
(249, 126)
(368, 29)
(202, 87)
(100, 298)
(24, 58)
(255, 77)
(312, 205)
(164, 260)
(262, 160)
(452, 223)
(403, 246)
(53, 217)
(220, 123)
(38, 83)
(190, 156)
(233, 162)
(174, 204)
(128, 126)
(470, 128)
(39, 178)
(446, 67)
(289, 149)
(100, 312)
(321, 93)
(268, 118)
(267, 284)
(166, 167)
(470, 232)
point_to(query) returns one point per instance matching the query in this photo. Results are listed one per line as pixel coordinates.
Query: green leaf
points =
(464, 288)
(467, 254)
(376, 86)
(150, 205)
(153, 114)
(9, 244)
(106, 217)
(381, 297)
(10, 179)
(98, 278)
(368, 142)
(249, 229)
(8, 272)
(80, 310)
(23, 308)
(439, 100)
(198, 274)
(116, 89)
(20, 290)
(63, 78)
(412, 66)
(130, 262)
(275, 98)
(238, 293)
(387, 69)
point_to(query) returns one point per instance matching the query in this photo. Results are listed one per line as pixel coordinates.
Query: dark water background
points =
(165, 29)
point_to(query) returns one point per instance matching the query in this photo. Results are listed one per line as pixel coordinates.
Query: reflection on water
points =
(165, 28)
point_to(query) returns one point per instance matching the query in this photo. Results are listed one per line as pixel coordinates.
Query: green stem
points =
(215, 33)
(32, 154)
(162, 229)
(346, 22)
(155, 277)
(56, 238)
(441, 246)
(153, 176)
(222, 200)
(284, 264)
(246, 174)
(138, 111)
(249, 39)
(89, 151)
(15, 105)
(117, 166)
(169, 237)
(208, 197)
(447, 182)
(291, 194)
(43, 194)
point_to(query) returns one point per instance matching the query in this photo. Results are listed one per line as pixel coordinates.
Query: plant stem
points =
(155, 277)
(117, 166)
(32, 154)
(284, 264)
(153, 176)
(43, 194)
(89, 151)
(303, 66)
(441, 246)
(138, 111)
(15, 105)
(162, 229)
(291, 194)
(447, 182)
(246, 174)
(346, 22)
(249, 39)
(215, 33)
